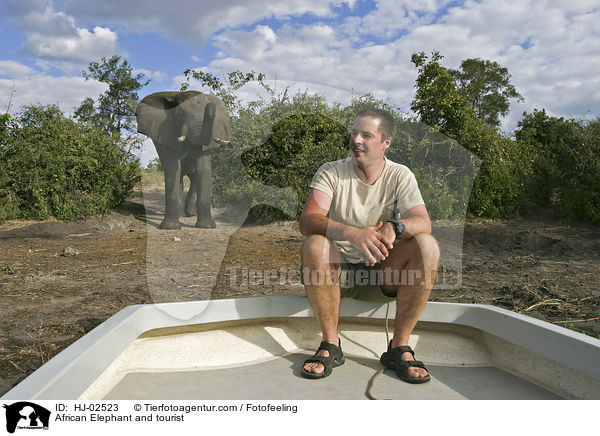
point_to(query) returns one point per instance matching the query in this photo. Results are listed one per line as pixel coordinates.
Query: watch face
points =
(399, 225)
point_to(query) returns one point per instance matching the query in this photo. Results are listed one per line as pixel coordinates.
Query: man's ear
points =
(387, 143)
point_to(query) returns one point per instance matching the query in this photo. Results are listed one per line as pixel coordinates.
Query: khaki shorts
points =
(356, 281)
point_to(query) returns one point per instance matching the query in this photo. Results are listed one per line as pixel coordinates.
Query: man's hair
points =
(387, 125)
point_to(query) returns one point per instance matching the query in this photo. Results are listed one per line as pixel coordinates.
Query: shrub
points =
(252, 127)
(443, 168)
(55, 167)
(566, 166)
(297, 147)
(499, 186)
(580, 197)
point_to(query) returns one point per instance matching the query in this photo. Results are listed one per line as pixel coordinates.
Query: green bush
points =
(566, 175)
(443, 168)
(231, 183)
(581, 197)
(549, 139)
(297, 147)
(55, 167)
(252, 127)
(499, 186)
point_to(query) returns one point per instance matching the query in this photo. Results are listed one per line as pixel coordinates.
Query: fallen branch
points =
(575, 320)
(550, 302)
(15, 365)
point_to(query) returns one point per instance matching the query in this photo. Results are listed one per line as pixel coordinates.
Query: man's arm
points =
(416, 220)
(314, 221)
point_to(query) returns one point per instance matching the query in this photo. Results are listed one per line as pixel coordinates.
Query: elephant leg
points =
(190, 201)
(203, 180)
(192, 195)
(172, 169)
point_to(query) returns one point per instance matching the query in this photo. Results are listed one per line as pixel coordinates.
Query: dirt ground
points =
(60, 280)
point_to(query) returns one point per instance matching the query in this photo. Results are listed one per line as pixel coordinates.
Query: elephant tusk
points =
(181, 138)
(220, 141)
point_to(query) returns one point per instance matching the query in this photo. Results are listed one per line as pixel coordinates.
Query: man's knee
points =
(429, 249)
(320, 261)
(316, 246)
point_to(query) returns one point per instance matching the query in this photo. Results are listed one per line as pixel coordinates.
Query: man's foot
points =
(402, 360)
(327, 357)
(414, 371)
(316, 368)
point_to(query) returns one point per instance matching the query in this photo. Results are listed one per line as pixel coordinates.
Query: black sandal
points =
(335, 358)
(392, 359)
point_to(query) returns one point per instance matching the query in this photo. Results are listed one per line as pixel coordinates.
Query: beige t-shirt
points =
(355, 203)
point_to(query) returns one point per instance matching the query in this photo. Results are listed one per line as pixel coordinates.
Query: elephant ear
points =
(151, 113)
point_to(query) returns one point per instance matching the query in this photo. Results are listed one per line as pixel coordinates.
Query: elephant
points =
(185, 127)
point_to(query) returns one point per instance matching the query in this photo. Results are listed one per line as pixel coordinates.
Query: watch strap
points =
(399, 227)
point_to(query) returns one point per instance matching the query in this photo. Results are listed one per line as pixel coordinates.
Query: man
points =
(365, 214)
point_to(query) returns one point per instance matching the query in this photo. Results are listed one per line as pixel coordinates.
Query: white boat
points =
(253, 348)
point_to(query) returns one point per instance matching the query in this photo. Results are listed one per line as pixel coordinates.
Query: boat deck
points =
(262, 361)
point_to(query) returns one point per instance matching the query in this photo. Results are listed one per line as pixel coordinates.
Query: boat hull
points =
(251, 347)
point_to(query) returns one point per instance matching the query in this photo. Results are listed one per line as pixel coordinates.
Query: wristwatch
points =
(399, 227)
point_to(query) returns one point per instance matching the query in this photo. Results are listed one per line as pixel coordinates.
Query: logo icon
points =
(26, 415)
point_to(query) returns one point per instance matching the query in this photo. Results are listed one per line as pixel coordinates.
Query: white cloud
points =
(146, 152)
(193, 21)
(392, 17)
(251, 45)
(315, 54)
(80, 46)
(38, 88)
(158, 76)
(54, 37)
(12, 68)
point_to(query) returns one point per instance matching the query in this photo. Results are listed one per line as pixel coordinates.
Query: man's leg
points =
(321, 264)
(415, 262)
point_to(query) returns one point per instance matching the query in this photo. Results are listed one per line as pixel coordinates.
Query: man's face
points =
(366, 143)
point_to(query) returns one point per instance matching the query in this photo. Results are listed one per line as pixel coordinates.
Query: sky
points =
(337, 48)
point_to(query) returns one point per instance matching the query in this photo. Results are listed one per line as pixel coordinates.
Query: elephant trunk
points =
(208, 124)
(201, 135)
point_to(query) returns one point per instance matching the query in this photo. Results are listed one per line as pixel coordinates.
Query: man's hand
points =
(371, 242)
(388, 233)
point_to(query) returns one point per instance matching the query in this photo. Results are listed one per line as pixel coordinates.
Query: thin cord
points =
(387, 332)
(378, 373)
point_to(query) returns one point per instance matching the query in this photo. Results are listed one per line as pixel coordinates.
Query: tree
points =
(437, 100)
(226, 87)
(486, 87)
(155, 164)
(6, 123)
(114, 109)
(499, 183)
